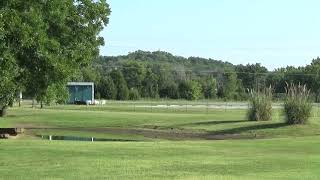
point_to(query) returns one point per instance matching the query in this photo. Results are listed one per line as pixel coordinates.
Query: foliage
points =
(229, 85)
(209, 87)
(134, 94)
(49, 41)
(171, 91)
(190, 90)
(107, 88)
(57, 93)
(7, 81)
(8, 65)
(252, 75)
(121, 85)
(134, 73)
(260, 105)
(150, 85)
(297, 105)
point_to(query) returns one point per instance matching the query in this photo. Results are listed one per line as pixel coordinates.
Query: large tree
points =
(107, 88)
(252, 76)
(190, 90)
(121, 85)
(228, 85)
(45, 42)
(150, 87)
(134, 74)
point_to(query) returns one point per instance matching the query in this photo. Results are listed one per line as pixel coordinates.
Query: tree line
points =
(159, 74)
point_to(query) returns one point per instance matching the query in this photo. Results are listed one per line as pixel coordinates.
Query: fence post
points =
(167, 103)
(134, 106)
(225, 106)
(186, 106)
(207, 106)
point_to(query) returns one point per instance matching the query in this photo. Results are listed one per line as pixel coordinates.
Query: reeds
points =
(260, 105)
(297, 106)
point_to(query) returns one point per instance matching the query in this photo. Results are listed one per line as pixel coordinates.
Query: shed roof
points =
(80, 84)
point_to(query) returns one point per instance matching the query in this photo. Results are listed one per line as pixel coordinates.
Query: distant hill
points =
(196, 65)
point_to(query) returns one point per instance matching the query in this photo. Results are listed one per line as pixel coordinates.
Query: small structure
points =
(81, 92)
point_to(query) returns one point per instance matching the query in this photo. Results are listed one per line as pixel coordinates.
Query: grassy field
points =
(294, 158)
(172, 144)
(107, 121)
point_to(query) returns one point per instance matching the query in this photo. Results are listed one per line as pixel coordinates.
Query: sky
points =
(275, 33)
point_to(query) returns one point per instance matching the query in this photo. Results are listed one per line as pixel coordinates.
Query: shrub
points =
(190, 90)
(297, 106)
(260, 105)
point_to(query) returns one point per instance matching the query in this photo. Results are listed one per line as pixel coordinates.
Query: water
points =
(74, 138)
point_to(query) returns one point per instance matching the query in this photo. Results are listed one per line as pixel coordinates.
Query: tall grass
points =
(297, 105)
(260, 105)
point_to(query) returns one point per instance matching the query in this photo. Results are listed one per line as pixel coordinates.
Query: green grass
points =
(214, 122)
(243, 159)
(284, 152)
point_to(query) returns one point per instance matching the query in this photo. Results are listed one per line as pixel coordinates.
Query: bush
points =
(190, 90)
(260, 105)
(297, 106)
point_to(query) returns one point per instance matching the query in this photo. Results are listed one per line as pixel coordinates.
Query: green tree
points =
(7, 81)
(171, 90)
(134, 94)
(209, 87)
(134, 74)
(252, 75)
(121, 85)
(57, 93)
(190, 90)
(228, 85)
(51, 40)
(313, 80)
(107, 88)
(150, 85)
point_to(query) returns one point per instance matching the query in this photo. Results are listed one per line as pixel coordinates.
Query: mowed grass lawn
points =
(215, 122)
(283, 158)
(283, 152)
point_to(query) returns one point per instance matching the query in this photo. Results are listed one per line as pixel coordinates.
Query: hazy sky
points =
(273, 32)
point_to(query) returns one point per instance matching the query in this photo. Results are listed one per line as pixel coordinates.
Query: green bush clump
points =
(297, 106)
(260, 105)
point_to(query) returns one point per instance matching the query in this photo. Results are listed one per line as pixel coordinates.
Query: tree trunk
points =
(3, 111)
(41, 104)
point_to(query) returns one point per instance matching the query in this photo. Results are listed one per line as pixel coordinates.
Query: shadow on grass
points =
(11, 116)
(217, 122)
(212, 122)
(248, 128)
